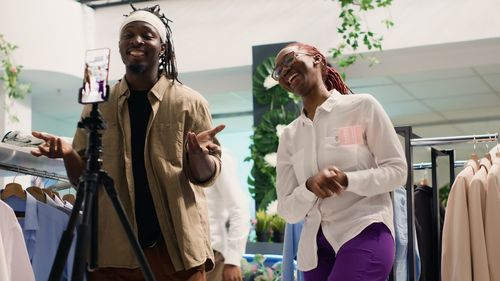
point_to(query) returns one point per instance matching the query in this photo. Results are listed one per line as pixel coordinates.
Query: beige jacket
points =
(179, 202)
(492, 220)
(456, 260)
(476, 198)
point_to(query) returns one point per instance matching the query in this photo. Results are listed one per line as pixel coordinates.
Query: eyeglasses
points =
(287, 62)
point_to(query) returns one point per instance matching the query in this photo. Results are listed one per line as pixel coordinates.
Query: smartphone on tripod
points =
(95, 77)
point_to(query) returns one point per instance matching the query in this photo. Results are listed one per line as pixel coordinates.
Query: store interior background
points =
(439, 71)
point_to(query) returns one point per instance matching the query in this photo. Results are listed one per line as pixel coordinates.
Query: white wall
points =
(52, 35)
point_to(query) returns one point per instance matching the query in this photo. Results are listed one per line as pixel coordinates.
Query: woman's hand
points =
(327, 182)
(54, 146)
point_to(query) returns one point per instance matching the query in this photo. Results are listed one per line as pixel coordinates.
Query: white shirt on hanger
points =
(228, 203)
(354, 133)
(14, 260)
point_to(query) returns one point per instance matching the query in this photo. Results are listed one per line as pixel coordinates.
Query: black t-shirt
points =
(147, 221)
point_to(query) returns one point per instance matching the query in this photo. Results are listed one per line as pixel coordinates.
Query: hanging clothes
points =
(42, 227)
(290, 248)
(492, 221)
(423, 222)
(456, 259)
(14, 260)
(476, 200)
(401, 231)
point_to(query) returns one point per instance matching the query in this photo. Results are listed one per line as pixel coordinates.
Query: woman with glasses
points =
(337, 163)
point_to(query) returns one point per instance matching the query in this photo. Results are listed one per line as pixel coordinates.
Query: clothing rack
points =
(428, 165)
(454, 139)
(412, 140)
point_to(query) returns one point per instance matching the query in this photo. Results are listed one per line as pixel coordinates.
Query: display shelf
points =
(15, 160)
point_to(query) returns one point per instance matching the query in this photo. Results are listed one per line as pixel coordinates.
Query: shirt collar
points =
(158, 88)
(31, 213)
(327, 105)
(330, 102)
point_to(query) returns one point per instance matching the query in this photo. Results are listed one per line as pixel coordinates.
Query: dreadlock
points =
(168, 65)
(331, 77)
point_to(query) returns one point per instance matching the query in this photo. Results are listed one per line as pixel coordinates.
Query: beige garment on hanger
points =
(492, 220)
(476, 198)
(456, 260)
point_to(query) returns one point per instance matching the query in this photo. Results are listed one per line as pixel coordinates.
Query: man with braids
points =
(336, 164)
(160, 149)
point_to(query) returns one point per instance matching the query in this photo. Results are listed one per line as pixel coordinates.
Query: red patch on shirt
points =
(350, 135)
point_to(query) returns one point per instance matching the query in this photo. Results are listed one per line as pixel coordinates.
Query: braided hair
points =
(331, 77)
(168, 65)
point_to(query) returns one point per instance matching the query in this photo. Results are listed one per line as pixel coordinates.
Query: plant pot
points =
(278, 236)
(262, 236)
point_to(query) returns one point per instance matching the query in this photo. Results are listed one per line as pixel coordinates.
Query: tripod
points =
(87, 193)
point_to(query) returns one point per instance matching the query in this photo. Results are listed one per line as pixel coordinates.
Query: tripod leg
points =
(82, 243)
(93, 228)
(67, 238)
(139, 254)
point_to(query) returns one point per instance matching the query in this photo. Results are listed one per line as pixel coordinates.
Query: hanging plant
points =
(353, 33)
(12, 86)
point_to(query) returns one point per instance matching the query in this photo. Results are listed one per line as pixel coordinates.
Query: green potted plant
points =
(278, 227)
(258, 269)
(262, 226)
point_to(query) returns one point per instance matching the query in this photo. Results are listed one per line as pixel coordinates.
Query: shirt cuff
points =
(210, 181)
(305, 194)
(353, 182)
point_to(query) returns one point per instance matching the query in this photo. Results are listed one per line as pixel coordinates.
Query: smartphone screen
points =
(95, 77)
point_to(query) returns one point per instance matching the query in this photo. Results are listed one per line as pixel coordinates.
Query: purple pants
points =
(367, 257)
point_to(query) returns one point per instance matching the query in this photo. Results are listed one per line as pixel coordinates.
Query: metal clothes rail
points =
(454, 140)
(32, 172)
(428, 165)
(16, 160)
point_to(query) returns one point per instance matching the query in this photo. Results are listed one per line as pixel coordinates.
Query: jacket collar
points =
(158, 88)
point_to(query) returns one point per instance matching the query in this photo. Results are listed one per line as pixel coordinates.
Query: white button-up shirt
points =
(354, 133)
(227, 203)
(14, 259)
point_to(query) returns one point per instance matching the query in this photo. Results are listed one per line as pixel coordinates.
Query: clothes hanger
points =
(487, 155)
(13, 189)
(47, 191)
(497, 154)
(56, 194)
(37, 192)
(424, 181)
(70, 198)
(474, 154)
